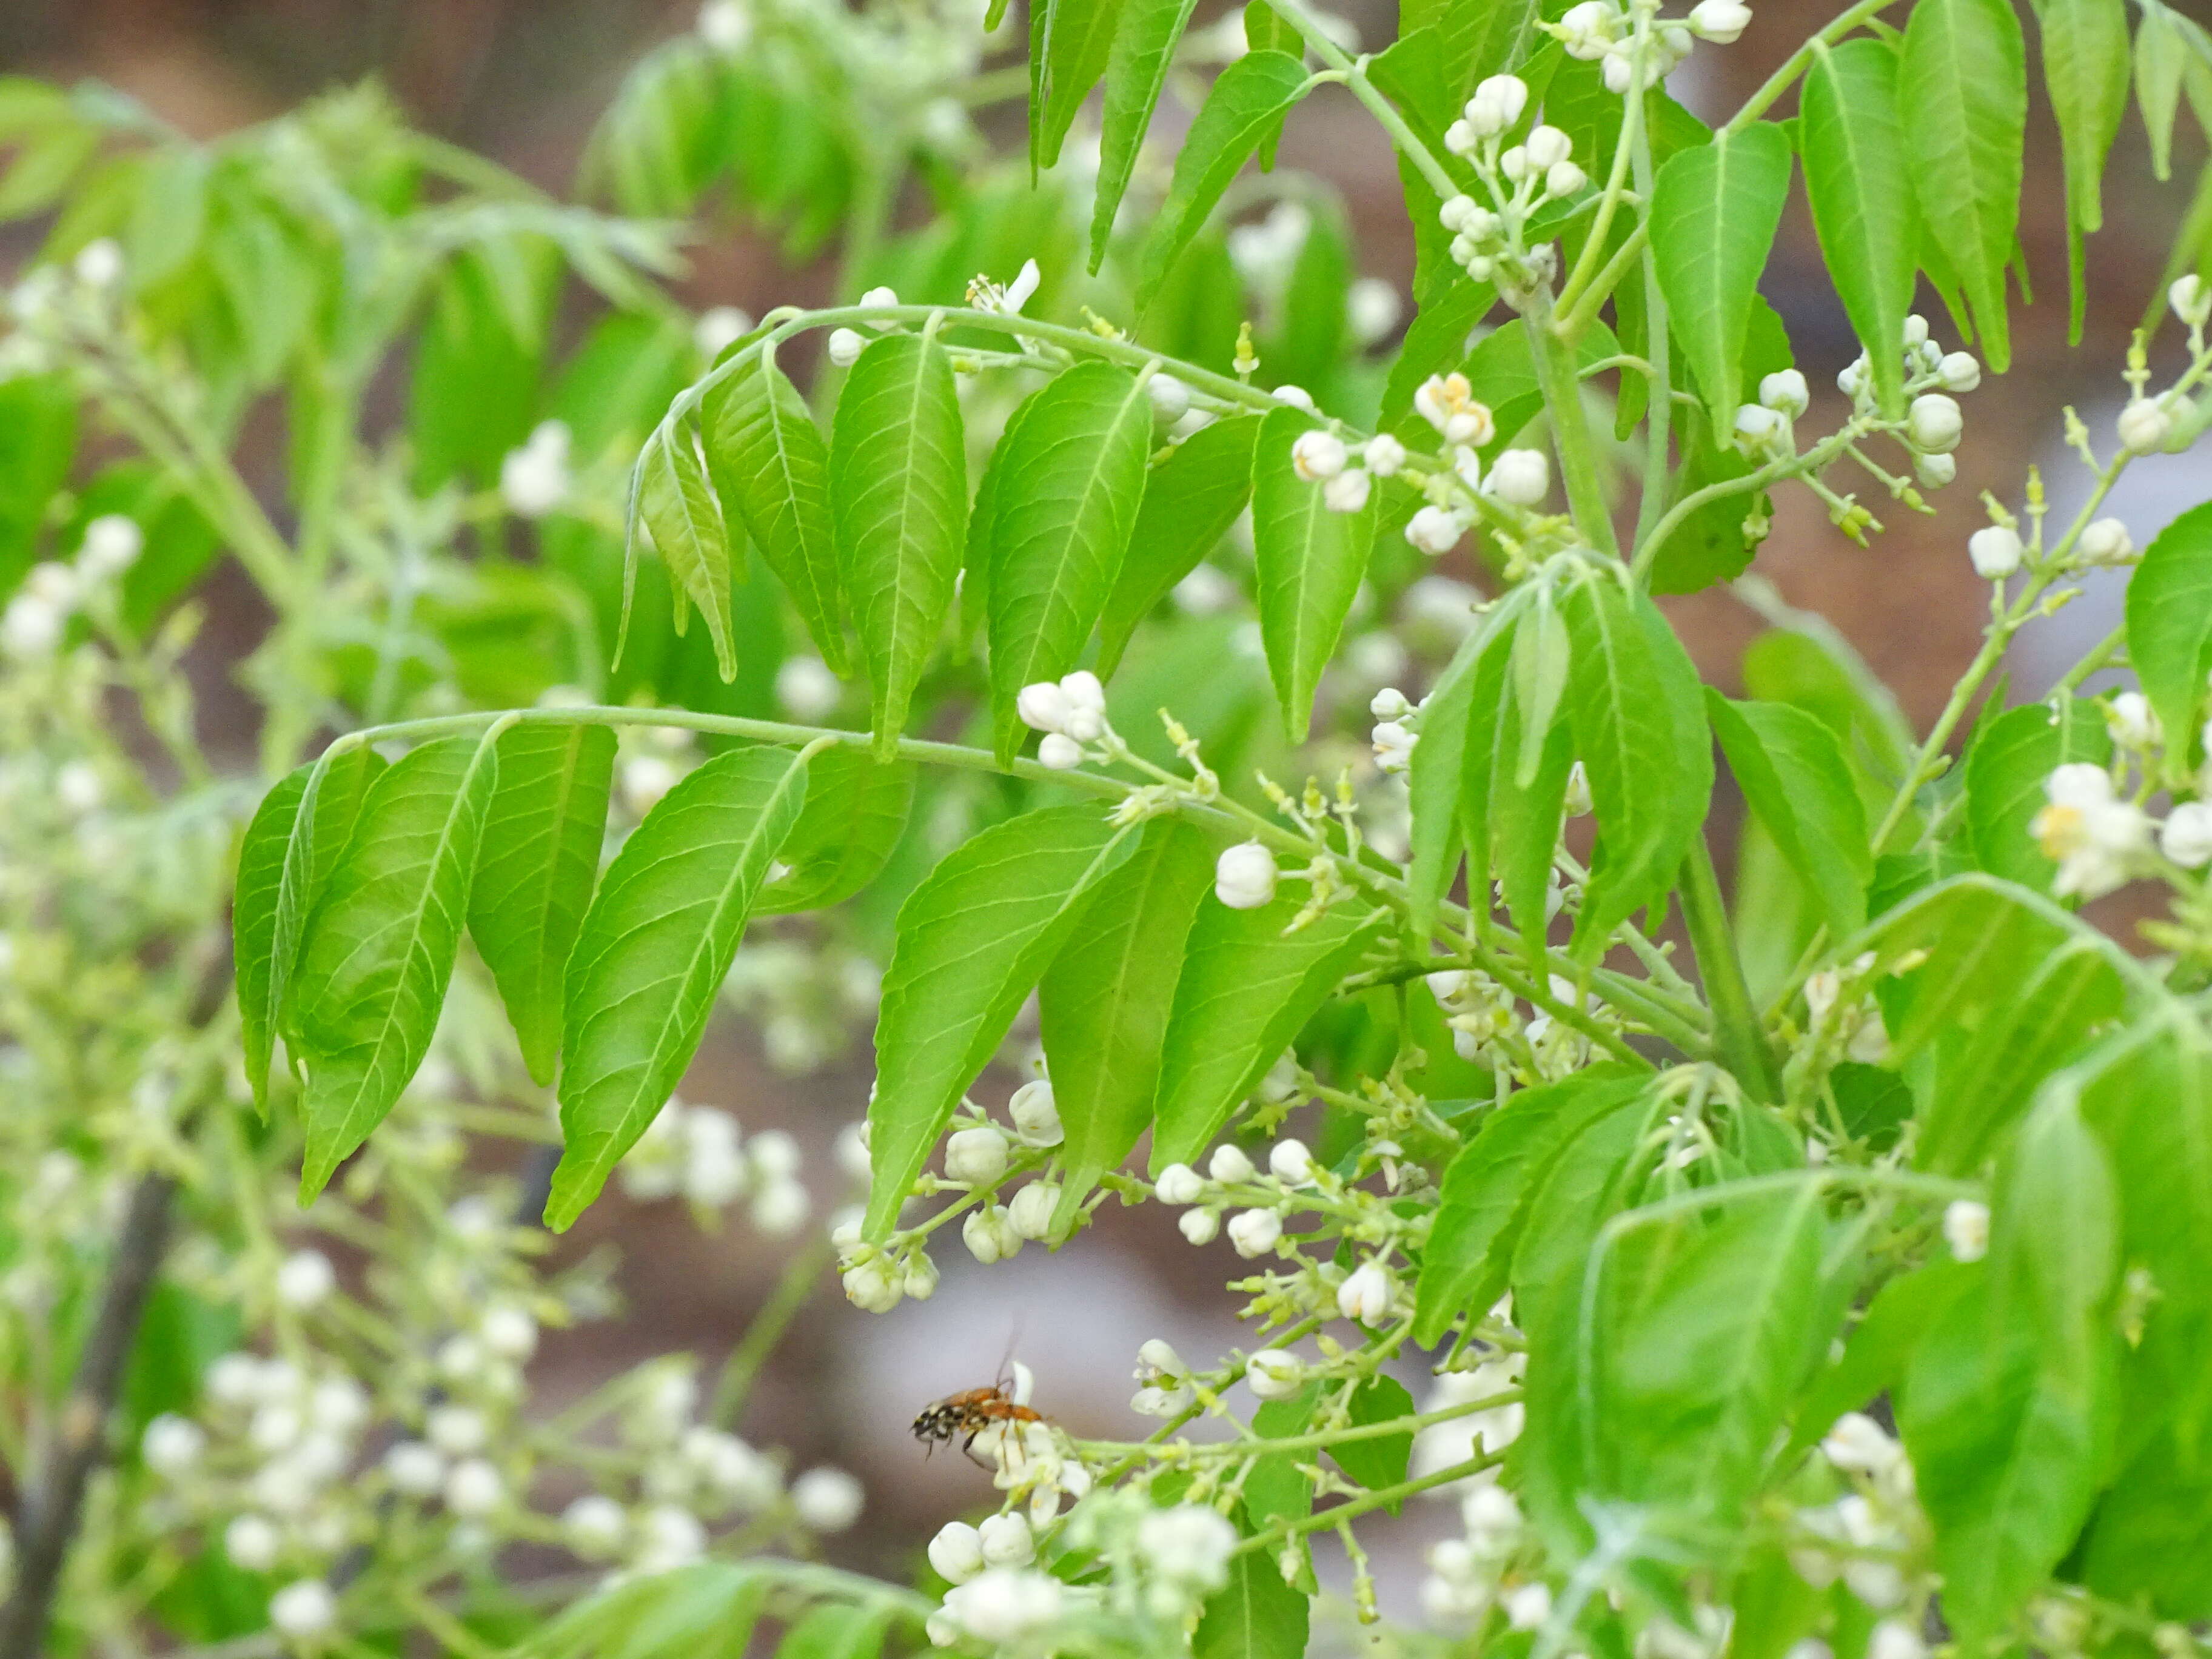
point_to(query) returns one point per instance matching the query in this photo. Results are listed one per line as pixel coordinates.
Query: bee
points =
(968, 1413)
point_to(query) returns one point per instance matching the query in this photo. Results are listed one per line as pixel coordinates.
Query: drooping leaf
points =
(674, 499)
(1136, 68)
(837, 1629)
(1243, 110)
(772, 471)
(1792, 772)
(1879, 1350)
(379, 948)
(2169, 614)
(1455, 740)
(38, 443)
(1190, 500)
(1247, 988)
(1859, 183)
(535, 875)
(1638, 722)
(856, 811)
(1105, 1001)
(1714, 212)
(1067, 495)
(1069, 41)
(1309, 562)
(2005, 772)
(898, 494)
(1489, 1187)
(267, 920)
(2085, 71)
(1255, 1616)
(1963, 73)
(973, 939)
(654, 949)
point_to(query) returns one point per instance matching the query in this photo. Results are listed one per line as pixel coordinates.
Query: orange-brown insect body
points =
(969, 1413)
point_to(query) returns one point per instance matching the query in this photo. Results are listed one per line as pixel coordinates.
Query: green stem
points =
(1379, 1497)
(1570, 424)
(1779, 82)
(1579, 308)
(1775, 471)
(1737, 1035)
(1631, 131)
(2099, 655)
(1355, 76)
(744, 1366)
(1660, 411)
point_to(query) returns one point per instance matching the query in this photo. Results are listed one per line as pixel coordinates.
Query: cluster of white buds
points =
(1320, 456)
(720, 327)
(38, 616)
(1600, 32)
(1071, 712)
(1397, 722)
(1254, 1231)
(1005, 299)
(1183, 1551)
(1479, 1011)
(1765, 428)
(1163, 1382)
(534, 479)
(699, 1153)
(1865, 1538)
(1840, 1004)
(1934, 422)
(2133, 723)
(846, 344)
(2099, 841)
(1470, 1574)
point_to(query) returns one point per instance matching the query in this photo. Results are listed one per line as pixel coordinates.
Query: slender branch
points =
(767, 1328)
(1336, 1514)
(1355, 76)
(1562, 405)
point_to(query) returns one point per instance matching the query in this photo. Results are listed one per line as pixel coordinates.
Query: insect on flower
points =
(968, 1413)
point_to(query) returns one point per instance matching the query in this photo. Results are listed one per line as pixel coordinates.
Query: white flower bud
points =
(1514, 164)
(1785, 393)
(99, 264)
(1347, 492)
(1461, 138)
(303, 1608)
(474, 1488)
(1454, 214)
(805, 686)
(1527, 1606)
(874, 1285)
(305, 1277)
(1547, 146)
(1367, 1294)
(1170, 398)
(1720, 22)
(779, 1208)
(2192, 300)
(2132, 721)
(111, 546)
(1178, 1184)
(846, 346)
(1892, 1639)
(1296, 396)
(1617, 71)
(2185, 837)
(171, 1445)
(509, 1331)
(1384, 455)
(1586, 29)
(1058, 751)
(827, 1499)
(990, 1235)
(1490, 1512)
(879, 296)
(1577, 801)
(1253, 1232)
(1522, 478)
(1043, 707)
(1959, 371)
(1997, 551)
(457, 1431)
(1389, 704)
(1275, 1374)
(1199, 1226)
(1157, 1357)
(725, 25)
(1245, 876)
(1497, 103)
(1935, 471)
(1564, 179)
(2144, 425)
(1966, 1229)
(976, 1156)
(2106, 541)
(1031, 1213)
(1934, 421)
(957, 1552)
(1761, 429)
(1316, 455)
(594, 1527)
(534, 479)
(1916, 331)
(1394, 748)
(1290, 1162)
(720, 327)
(1229, 1165)
(1187, 1544)
(1851, 378)
(1859, 1444)
(1434, 531)
(415, 1467)
(1007, 1540)
(252, 1543)
(1036, 1114)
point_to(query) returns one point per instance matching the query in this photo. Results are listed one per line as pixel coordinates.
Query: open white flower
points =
(1966, 1229)
(2096, 838)
(534, 479)
(1188, 1543)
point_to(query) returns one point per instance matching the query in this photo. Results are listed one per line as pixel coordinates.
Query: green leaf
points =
(379, 948)
(1069, 41)
(1456, 740)
(1255, 1616)
(703, 1611)
(1490, 1186)
(972, 940)
(1277, 1489)
(1137, 68)
(2008, 1410)
(1859, 183)
(899, 488)
(2085, 71)
(534, 877)
(1638, 722)
(1436, 340)
(2005, 773)
(654, 949)
(856, 811)
(1243, 110)
(2169, 615)
(1191, 498)
(1065, 500)
(1880, 1348)
(1963, 74)
(1309, 562)
(686, 521)
(837, 1629)
(1246, 990)
(1792, 773)
(2161, 52)
(1512, 827)
(1105, 1001)
(1714, 212)
(1808, 665)
(1699, 1330)
(1381, 1461)
(772, 471)
(38, 443)
(267, 922)
(1473, 40)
